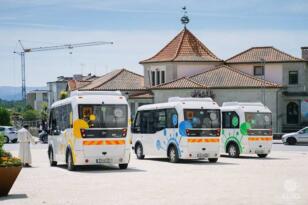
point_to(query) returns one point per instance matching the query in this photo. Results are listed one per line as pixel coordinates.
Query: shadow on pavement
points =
(14, 196)
(189, 161)
(254, 157)
(298, 145)
(102, 169)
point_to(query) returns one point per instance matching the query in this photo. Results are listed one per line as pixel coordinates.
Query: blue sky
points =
(139, 29)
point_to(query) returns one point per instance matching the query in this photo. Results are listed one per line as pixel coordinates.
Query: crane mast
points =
(47, 48)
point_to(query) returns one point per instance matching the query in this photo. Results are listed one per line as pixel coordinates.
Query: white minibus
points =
(182, 128)
(246, 129)
(90, 128)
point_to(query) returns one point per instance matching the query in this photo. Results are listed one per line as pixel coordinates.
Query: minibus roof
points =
(245, 106)
(98, 97)
(182, 104)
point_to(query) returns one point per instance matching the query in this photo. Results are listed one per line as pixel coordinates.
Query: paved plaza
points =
(282, 178)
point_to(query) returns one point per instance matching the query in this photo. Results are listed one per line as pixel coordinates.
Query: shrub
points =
(31, 115)
(63, 94)
(6, 158)
(4, 117)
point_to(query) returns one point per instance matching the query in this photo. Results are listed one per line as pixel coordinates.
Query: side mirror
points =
(301, 132)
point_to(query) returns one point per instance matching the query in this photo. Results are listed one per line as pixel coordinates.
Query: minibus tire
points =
(140, 155)
(262, 155)
(123, 166)
(213, 160)
(70, 161)
(173, 154)
(51, 159)
(236, 152)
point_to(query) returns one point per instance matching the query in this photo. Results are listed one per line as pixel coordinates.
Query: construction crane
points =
(49, 48)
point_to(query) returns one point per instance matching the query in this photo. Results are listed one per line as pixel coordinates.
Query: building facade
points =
(186, 67)
(37, 98)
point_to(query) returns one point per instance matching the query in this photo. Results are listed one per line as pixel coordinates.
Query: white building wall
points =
(189, 69)
(273, 71)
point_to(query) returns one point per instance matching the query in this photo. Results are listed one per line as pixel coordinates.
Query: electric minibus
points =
(182, 128)
(246, 129)
(90, 128)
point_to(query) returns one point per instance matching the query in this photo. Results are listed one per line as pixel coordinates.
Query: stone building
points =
(36, 98)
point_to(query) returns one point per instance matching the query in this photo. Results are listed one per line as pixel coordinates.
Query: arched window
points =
(292, 113)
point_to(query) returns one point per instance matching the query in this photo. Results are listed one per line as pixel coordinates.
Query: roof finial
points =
(184, 19)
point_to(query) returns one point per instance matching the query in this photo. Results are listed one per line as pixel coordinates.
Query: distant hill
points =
(14, 93)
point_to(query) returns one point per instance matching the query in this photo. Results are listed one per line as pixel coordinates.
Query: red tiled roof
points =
(185, 47)
(144, 95)
(121, 79)
(219, 77)
(268, 53)
(77, 84)
(228, 77)
(183, 83)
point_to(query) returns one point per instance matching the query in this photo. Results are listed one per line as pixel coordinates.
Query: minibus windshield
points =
(201, 118)
(104, 116)
(259, 120)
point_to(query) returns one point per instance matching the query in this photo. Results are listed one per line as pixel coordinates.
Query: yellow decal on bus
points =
(79, 124)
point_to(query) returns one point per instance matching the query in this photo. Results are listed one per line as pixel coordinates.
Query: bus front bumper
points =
(82, 159)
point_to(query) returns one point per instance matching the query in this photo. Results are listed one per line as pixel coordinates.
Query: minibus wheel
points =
(262, 155)
(213, 160)
(51, 158)
(123, 166)
(139, 151)
(233, 150)
(70, 162)
(173, 154)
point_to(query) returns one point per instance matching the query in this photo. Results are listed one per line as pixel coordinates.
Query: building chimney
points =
(305, 53)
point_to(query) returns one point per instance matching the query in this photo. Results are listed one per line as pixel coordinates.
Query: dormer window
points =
(157, 76)
(162, 76)
(258, 70)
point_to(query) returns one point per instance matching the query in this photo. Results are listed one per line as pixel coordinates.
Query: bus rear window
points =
(201, 118)
(259, 120)
(104, 116)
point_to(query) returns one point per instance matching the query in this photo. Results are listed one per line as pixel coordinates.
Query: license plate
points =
(202, 155)
(260, 152)
(100, 161)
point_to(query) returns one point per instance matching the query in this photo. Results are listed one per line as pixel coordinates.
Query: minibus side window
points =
(230, 120)
(147, 122)
(136, 125)
(54, 122)
(160, 120)
(172, 118)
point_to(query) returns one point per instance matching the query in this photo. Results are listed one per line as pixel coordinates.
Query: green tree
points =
(31, 115)
(44, 111)
(63, 94)
(5, 118)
